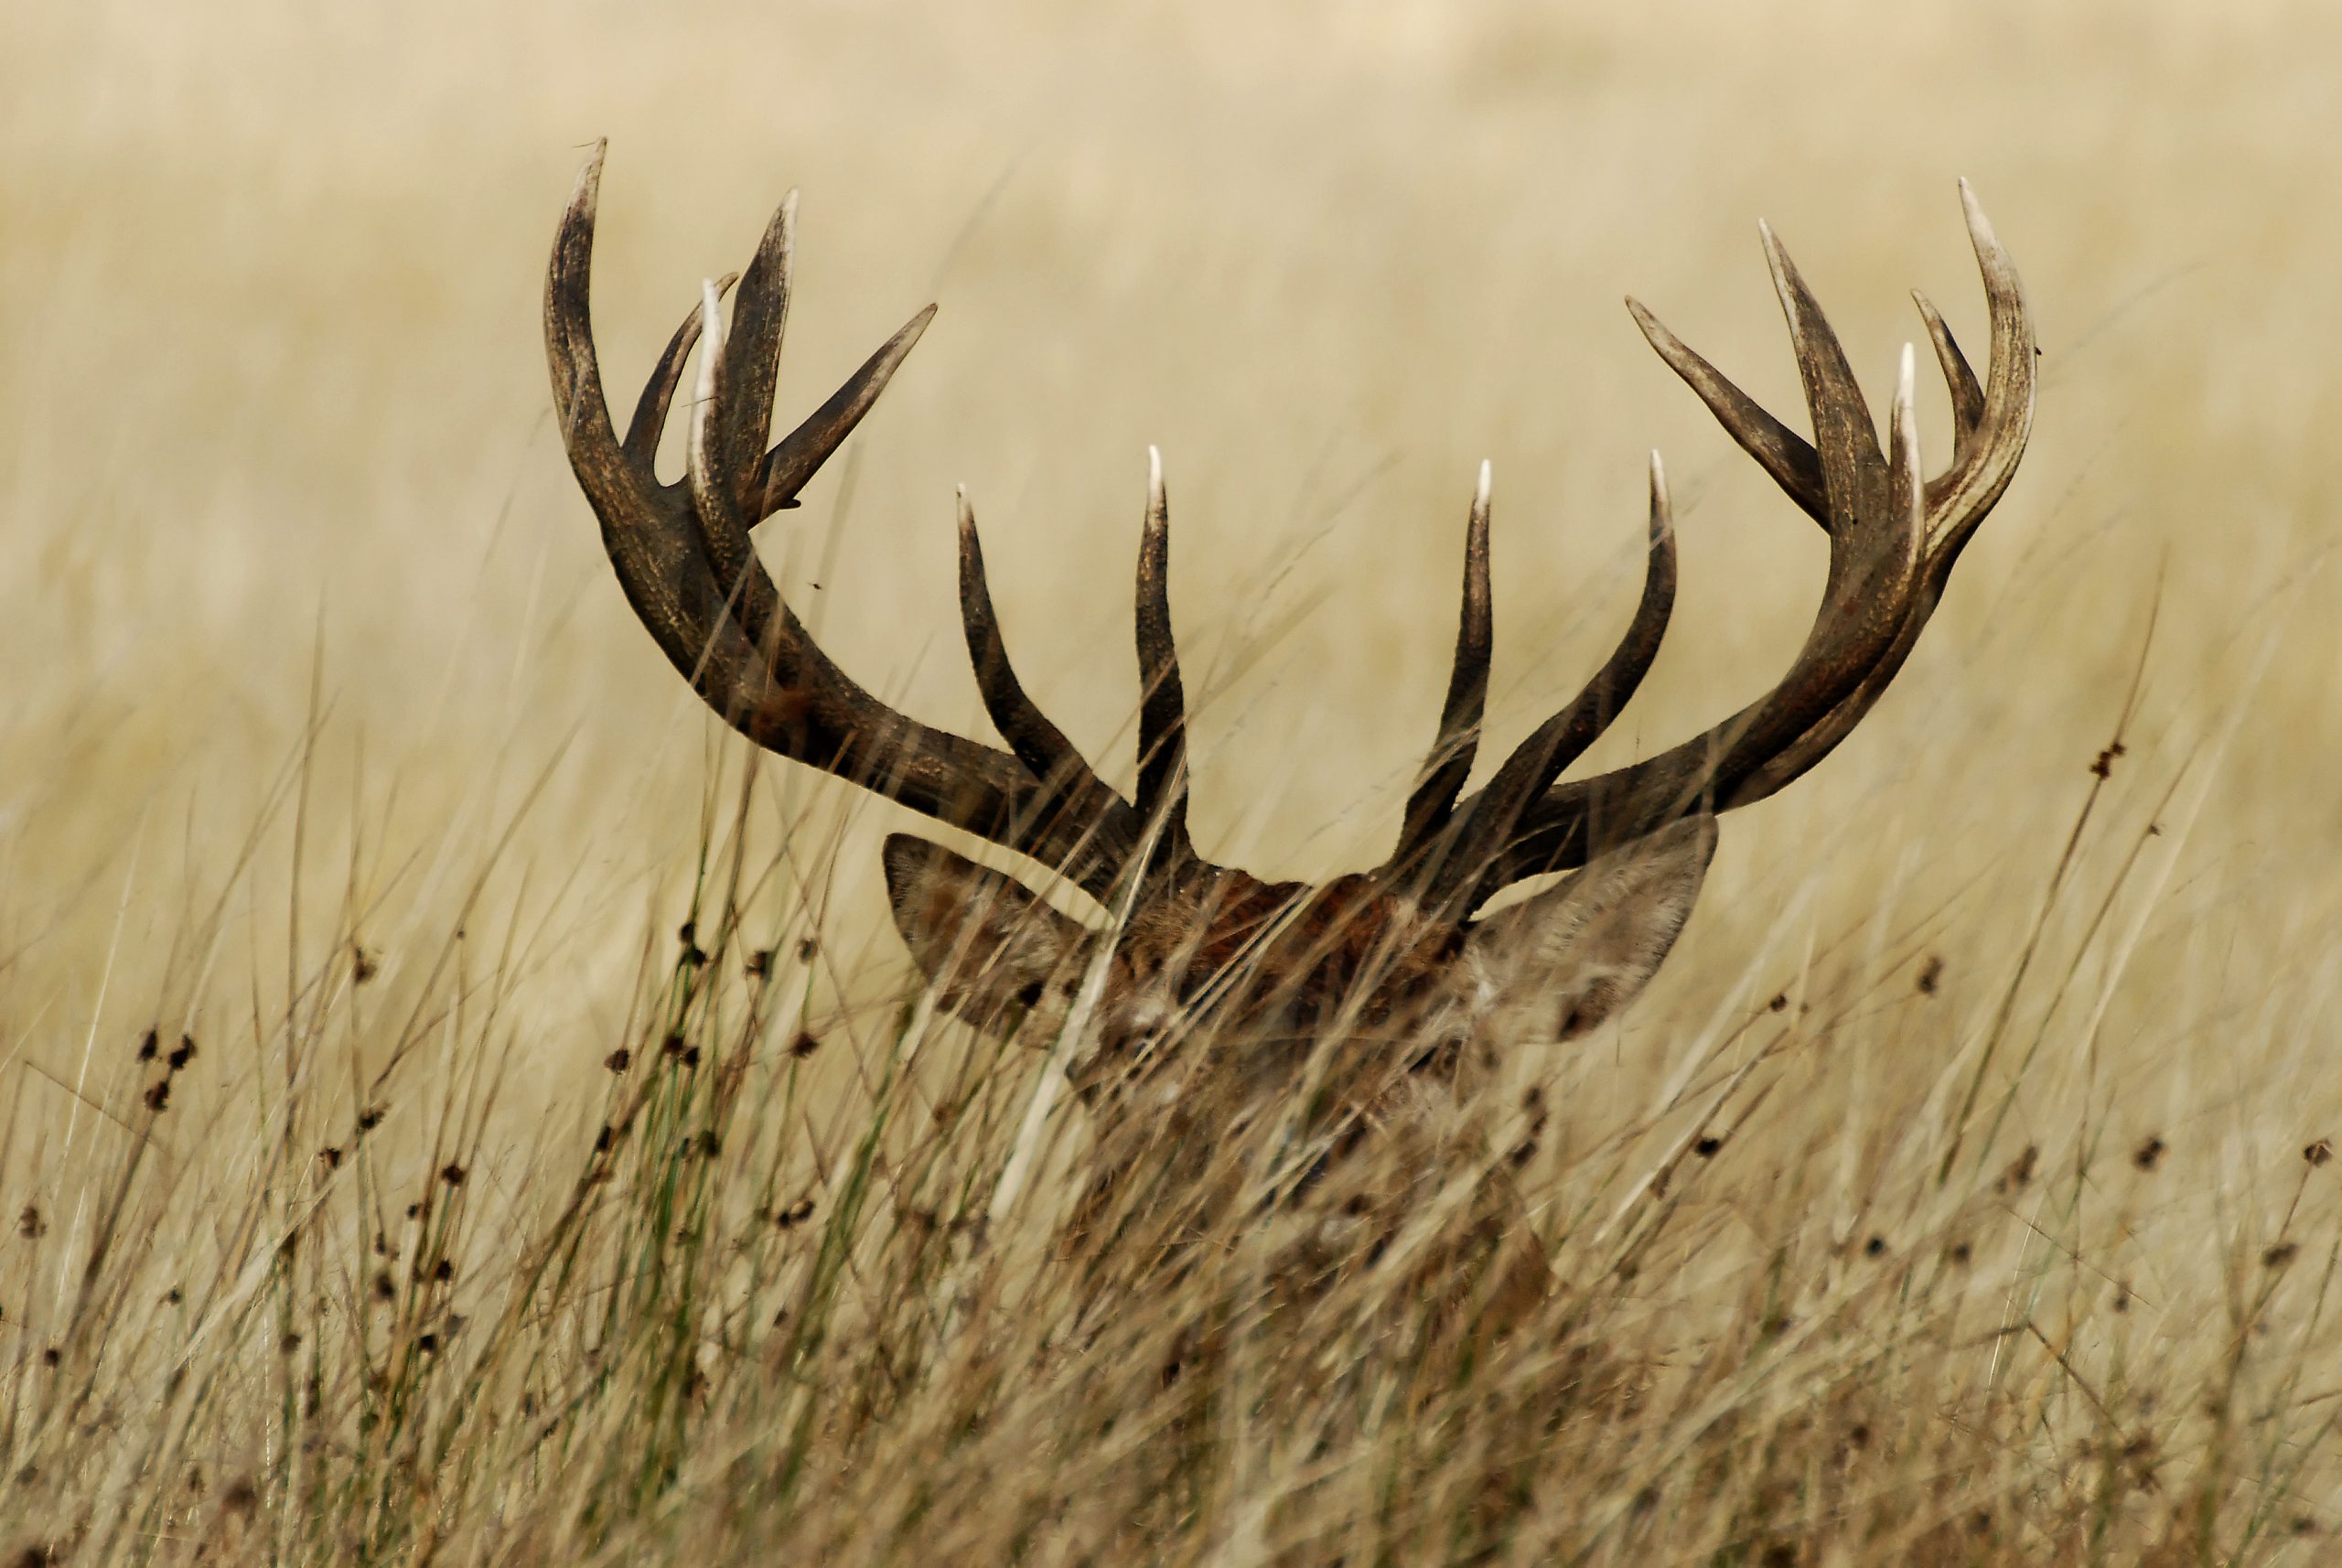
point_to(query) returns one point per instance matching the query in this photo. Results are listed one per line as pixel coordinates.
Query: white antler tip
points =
(589, 178)
(1904, 427)
(1777, 260)
(1480, 495)
(711, 343)
(1979, 226)
(1154, 469)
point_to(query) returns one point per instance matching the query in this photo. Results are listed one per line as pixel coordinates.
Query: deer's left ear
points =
(1570, 959)
(992, 946)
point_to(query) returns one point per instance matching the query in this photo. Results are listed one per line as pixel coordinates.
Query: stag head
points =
(1394, 953)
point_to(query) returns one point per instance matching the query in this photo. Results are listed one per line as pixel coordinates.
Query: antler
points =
(1894, 538)
(1163, 697)
(1446, 844)
(682, 556)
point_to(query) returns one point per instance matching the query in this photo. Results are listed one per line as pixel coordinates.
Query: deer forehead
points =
(1311, 940)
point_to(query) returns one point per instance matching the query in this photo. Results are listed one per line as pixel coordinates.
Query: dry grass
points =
(1956, 1196)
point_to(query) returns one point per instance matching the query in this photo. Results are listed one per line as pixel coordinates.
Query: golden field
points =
(330, 745)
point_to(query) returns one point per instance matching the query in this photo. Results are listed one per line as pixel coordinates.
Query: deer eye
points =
(1030, 995)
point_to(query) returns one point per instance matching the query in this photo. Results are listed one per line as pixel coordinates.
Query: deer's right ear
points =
(1569, 960)
(990, 946)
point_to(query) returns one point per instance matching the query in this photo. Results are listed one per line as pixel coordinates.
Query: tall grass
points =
(455, 1107)
(289, 1314)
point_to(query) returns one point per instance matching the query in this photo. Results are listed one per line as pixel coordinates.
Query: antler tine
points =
(731, 414)
(1833, 727)
(1489, 819)
(1788, 457)
(641, 442)
(737, 484)
(1907, 485)
(1433, 802)
(776, 688)
(1845, 442)
(1967, 394)
(1163, 701)
(749, 368)
(1981, 468)
(786, 468)
(1875, 536)
(646, 528)
(1892, 551)
(711, 476)
(1043, 748)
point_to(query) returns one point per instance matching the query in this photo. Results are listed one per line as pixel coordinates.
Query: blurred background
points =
(296, 573)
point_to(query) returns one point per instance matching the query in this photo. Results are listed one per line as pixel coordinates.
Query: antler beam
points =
(683, 558)
(1894, 540)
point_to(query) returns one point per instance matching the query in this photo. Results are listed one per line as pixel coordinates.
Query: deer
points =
(1422, 991)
